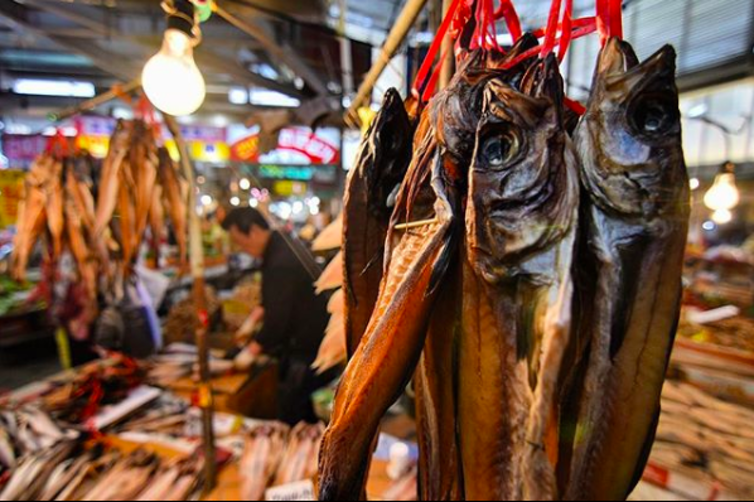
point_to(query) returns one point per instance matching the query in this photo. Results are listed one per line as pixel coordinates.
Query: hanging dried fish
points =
(370, 196)
(636, 224)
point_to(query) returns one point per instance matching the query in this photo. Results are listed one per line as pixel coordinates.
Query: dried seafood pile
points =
(137, 185)
(78, 400)
(531, 280)
(275, 456)
(706, 440)
(71, 471)
(26, 432)
(736, 333)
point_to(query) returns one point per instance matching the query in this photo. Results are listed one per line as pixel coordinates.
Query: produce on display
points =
(532, 275)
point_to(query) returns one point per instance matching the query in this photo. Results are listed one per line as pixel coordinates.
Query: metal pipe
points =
(206, 399)
(395, 38)
(284, 54)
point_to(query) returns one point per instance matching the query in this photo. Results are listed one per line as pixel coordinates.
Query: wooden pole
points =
(449, 63)
(200, 302)
(115, 93)
(397, 35)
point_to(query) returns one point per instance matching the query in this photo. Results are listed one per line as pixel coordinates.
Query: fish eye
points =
(500, 149)
(654, 115)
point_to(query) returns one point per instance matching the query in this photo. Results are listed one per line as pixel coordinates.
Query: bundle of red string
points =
(561, 30)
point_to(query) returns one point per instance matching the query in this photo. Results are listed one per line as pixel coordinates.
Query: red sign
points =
(299, 141)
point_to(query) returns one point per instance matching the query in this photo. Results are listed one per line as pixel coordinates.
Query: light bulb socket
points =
(182, 18)
(728, 168)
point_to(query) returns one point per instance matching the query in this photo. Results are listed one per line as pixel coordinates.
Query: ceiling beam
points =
(15, 18)
(280, 53)
(207, 58)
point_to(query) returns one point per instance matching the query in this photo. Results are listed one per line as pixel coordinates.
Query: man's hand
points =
(244, 333)
(246, 359)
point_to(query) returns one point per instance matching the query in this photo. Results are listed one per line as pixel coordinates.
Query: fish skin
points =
(521, 229)
(332, 277)
(7, 451)
(380, 167)
(109, 184)
(635, 180)
(435, 386)
(55, 197)
(143, 162)
(390, 350)
(157, 219)
(127, 223)
(32, 220)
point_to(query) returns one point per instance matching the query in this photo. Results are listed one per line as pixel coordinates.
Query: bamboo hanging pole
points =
(397, 35)
(449, 63)
(200, 302)
(115, 93)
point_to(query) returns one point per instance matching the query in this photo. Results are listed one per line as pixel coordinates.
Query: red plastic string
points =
(434, 49)
(575, 106)
(578, 33)
(432, 84)
(575, 24)
(603, 21)
(566, 31)
(552, 29)
(616, 18)
(508, 11)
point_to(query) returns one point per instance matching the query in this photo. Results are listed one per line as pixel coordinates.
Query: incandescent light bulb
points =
(171, 79)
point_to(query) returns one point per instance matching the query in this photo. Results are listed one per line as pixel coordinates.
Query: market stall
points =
(537, 286)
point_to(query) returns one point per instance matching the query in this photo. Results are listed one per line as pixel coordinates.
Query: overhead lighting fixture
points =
(697, 111)
(238, 96)
(171, 79)
(254, 203)
(207, 200)
(265, 97)
(244, 184)
(56, 88)
(724, 194)
(694, 183)
(235, 201)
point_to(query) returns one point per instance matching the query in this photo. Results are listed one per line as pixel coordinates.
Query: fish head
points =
(522, 182)
(630, 140)
(390, 151)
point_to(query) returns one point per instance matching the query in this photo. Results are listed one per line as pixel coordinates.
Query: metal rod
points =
(200, 303)
(416, 224)
(276, 50)
(394, 40)
(115, 93)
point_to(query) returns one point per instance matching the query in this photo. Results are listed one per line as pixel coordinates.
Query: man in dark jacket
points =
(294, 317)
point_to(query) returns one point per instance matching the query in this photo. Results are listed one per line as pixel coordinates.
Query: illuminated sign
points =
(296, 146)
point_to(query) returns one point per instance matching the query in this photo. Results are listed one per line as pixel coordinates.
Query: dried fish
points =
(261, 459)
(369, 200)
(636, 223)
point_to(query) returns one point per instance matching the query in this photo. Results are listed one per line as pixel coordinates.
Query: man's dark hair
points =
(244, 218)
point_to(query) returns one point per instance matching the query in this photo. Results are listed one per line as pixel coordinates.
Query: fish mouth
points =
(619, 58)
